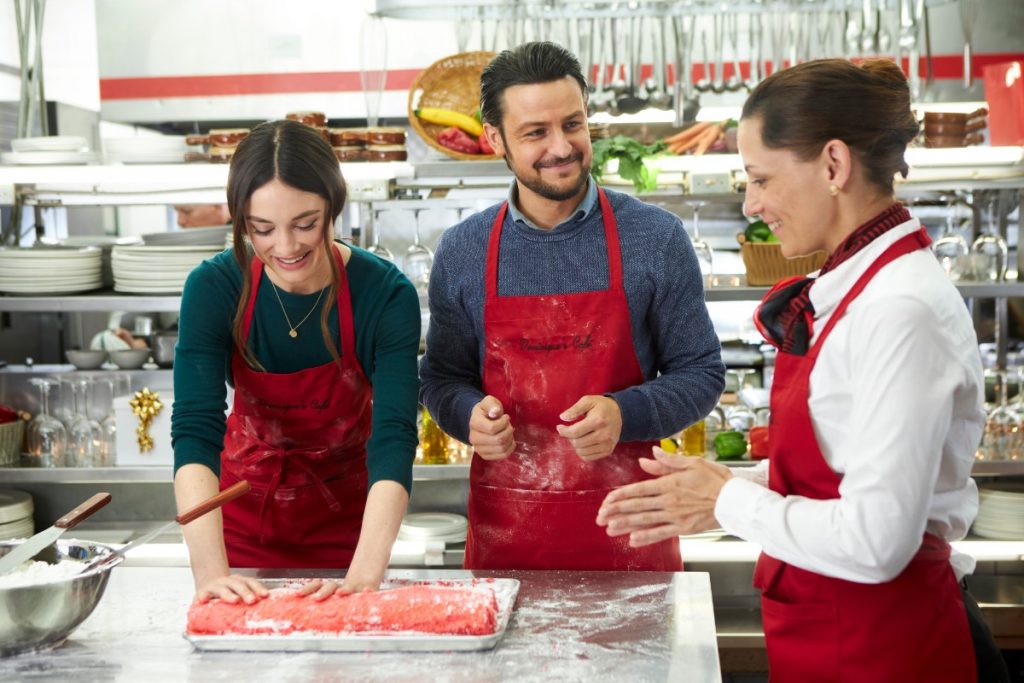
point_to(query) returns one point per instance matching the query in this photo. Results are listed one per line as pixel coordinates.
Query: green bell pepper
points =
(730, 445)
(758, 231)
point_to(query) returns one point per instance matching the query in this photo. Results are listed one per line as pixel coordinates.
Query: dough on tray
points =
(445, 610)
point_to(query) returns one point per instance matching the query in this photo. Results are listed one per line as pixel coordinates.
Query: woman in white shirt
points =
(876, 403)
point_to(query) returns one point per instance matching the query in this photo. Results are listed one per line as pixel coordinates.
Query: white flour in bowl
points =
(33, 573)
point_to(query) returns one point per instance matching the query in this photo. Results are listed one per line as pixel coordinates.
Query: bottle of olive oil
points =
(433, 441)
(694, 439)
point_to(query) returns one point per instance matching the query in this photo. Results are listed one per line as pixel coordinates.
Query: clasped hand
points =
(680, 500)
(594, 432)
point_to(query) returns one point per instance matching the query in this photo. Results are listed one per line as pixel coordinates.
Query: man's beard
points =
(552, 192)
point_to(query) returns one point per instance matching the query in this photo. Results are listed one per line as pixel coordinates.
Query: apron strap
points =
(611, 238)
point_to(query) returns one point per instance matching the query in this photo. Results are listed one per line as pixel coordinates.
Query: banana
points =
(447, 117)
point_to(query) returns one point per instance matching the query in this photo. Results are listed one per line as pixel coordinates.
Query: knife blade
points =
(38, 542)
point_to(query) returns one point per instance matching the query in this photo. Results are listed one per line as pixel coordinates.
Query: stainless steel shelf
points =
(163, 474)
(112, 301)
(981, 290)
(103, 300)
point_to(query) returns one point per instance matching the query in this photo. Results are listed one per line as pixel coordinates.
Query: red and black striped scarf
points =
(786, 315)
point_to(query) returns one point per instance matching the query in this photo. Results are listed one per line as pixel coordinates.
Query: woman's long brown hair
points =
(299, 157)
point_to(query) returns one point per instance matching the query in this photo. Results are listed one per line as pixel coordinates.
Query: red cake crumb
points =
(422, 609)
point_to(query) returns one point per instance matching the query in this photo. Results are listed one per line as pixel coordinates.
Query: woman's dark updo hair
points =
(299, 157)
(867, 106)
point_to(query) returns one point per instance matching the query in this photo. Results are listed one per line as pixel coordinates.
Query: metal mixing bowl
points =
(42, 616)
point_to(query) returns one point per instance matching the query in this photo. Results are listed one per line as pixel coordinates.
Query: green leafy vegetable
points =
(631, 155)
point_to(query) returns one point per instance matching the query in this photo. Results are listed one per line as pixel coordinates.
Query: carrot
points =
(688, 133)
(690, 143)
(707, 139)
(680, 147)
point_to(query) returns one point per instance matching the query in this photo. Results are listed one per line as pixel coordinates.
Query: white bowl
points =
(86, 360)
(130, 359)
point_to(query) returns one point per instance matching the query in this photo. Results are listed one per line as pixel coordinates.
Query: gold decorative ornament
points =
(833, 190)
(145, 405)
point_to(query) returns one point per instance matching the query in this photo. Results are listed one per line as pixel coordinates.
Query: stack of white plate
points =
(433, 526)
(15, 515)
(156, 270)
(150, 149)
(195, 237)
(50, 270)
(54, 149)
(1001, 511)
(105, 243)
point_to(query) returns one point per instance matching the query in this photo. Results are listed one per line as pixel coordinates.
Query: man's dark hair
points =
(530, 63)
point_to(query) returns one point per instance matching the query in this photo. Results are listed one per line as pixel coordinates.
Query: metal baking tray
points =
(505, 591)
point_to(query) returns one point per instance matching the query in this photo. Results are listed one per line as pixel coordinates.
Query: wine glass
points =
(989, 252)
(740, 417)
(1003, 427)
(375, 227)
(419, 259)
(47, 437)
(951, 248)
(714, 423)
(84, 433)
(108, 424)
(701, 248)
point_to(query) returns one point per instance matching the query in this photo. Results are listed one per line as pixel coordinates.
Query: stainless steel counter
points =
(566, 626)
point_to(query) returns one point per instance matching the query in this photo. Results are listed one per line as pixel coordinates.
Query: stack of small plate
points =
(50, 270)
(1001, 511)
(189, 237)
(15, 515)
(155, 149)
(54, 149)
(434, 526)
(156, 269)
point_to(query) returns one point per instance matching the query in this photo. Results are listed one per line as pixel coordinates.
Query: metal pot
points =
(43, 615)
(163, 348)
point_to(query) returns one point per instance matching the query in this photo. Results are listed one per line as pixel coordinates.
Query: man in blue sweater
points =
(568, 332)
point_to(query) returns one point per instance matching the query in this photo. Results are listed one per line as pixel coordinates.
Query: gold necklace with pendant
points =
(293, 330)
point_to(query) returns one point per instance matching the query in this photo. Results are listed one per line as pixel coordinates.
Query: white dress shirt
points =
(896, 404)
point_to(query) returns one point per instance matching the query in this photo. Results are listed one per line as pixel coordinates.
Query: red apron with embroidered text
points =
(537, 508)
(822, 629)
(300, 439)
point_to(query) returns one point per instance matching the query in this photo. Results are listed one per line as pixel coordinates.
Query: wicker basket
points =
(11, 437)
(449, 83)
(766, 265)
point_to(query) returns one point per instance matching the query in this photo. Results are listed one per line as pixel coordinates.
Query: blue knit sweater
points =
(675, 342)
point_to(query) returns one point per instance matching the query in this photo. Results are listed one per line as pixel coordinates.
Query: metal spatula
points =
(40, 541)
(193, 513)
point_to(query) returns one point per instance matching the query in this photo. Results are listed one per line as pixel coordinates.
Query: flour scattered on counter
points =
(33, 573)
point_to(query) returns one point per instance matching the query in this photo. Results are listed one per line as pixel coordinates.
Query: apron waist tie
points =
(301, 458)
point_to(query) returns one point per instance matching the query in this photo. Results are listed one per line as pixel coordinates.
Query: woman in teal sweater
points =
(319, 341)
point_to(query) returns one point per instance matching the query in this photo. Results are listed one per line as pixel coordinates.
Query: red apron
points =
(300, 439)
(817, 628)
(537, 508)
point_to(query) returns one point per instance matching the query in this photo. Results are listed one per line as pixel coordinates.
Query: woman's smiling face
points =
(790, 195)
(287, 228)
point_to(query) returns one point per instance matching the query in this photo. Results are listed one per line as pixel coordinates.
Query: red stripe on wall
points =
(156, 87)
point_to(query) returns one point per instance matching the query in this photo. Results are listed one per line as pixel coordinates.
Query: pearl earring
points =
(833, 190)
